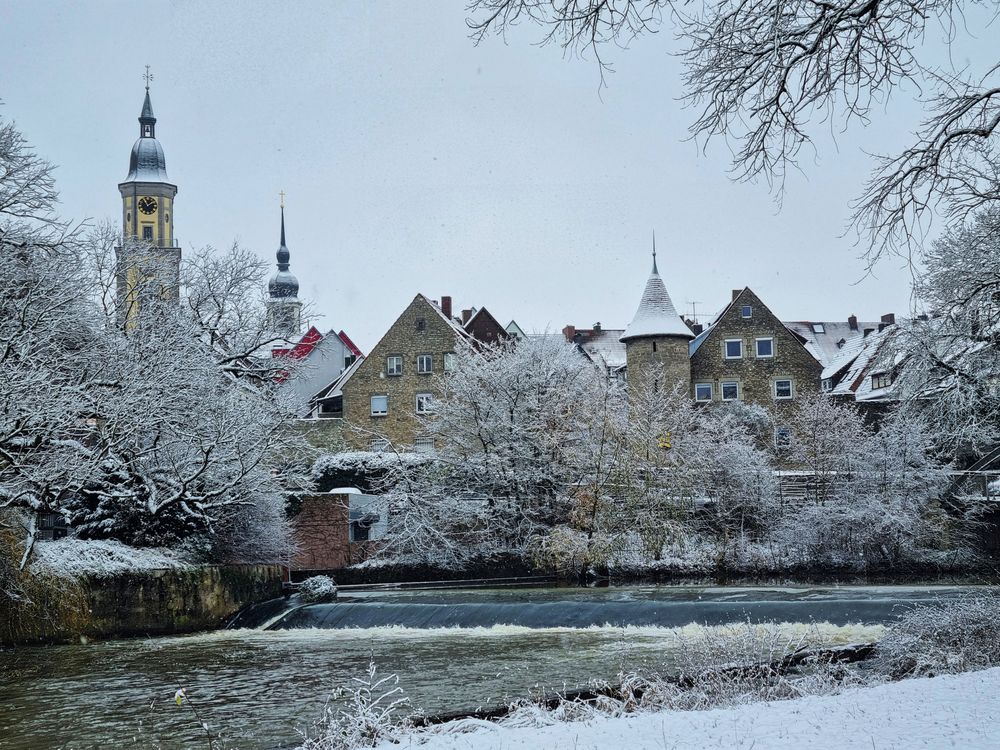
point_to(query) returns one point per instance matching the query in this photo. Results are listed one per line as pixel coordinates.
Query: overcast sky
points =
(414, 161)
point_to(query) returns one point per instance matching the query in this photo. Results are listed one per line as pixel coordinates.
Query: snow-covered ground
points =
(78, 557)
(953, 711)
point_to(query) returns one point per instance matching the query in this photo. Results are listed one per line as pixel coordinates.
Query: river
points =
(451, 649)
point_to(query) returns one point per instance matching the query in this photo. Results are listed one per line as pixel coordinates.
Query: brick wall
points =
(419, 330)
(756, 375)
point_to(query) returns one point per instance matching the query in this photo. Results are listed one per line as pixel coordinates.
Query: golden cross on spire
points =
(147, 77)
(282, 194)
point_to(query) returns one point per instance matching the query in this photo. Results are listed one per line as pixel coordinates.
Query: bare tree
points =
(765, 74)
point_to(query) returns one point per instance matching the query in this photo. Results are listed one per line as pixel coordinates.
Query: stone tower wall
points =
(661, 354)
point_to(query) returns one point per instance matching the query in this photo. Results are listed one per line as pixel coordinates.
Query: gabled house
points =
(387, 398)
(748, 354)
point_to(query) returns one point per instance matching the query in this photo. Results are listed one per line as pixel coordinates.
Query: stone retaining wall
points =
(155, 602)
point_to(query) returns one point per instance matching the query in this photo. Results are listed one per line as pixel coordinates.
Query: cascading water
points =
(259, 686)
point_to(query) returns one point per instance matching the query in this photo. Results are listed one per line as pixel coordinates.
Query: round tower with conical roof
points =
(656, 341)
(284, 310)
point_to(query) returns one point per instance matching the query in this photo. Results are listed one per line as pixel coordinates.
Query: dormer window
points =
(881, 380)
(746, 312)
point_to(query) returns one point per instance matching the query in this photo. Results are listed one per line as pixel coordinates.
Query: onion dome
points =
(656, 315)
(283, 284)
(147, 163)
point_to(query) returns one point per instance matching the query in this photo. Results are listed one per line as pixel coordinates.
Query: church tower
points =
(149, 259)
(284, 310)
(656, 341)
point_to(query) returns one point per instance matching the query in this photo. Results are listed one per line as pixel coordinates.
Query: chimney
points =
(466, 316)
(736, 293)
(853, 322)
(889, 319)
(597, 327)
(697, 328)
(570, 333)
(446, 306)
(868, 331)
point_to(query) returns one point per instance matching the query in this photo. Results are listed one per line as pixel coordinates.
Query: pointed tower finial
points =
(283, 254)
(147, 77)
(654, 252)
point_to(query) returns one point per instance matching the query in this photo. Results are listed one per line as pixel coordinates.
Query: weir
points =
(669, 608)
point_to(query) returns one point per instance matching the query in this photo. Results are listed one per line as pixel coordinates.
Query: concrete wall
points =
(153, 602)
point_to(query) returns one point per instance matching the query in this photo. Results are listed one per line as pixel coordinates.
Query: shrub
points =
(945, 637)
(318, 589)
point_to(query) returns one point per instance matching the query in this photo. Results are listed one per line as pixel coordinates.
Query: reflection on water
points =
(260, 687)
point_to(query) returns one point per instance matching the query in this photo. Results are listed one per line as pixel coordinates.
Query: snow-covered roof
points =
(826, 340)
(871, 357)
(605, 347)
(656, 315)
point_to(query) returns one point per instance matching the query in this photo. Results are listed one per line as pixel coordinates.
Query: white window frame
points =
(394, 359)
(746, 312)
(791, 389)
(421, 361)
(722, 390)
(756, 347)
(725, 348)
(423, 403)
(826, 385)
(380, 413)
(379, 445)
(711, 392)
(423, 445)
(449, 361)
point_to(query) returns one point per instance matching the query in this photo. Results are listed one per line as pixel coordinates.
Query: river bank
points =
(259, 688)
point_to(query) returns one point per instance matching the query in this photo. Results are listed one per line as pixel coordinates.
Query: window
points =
(746, 312)
(394, 365)
(782, 438)
(827, 385)
(425, 364)
(734, 349)
(654, 346)
(380, 406)
(782, 389)
(378, 445)
(423, 445)
(818, 328)
(881, 380)
(703, 392)
(730, 390)
(765, 348)
(425, 403)
(147, 232)
(449, 361)
(421, 325)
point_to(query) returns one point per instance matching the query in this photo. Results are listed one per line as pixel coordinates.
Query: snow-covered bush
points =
(373, 711)
(568, 552)
(318, 589)
(948, 636)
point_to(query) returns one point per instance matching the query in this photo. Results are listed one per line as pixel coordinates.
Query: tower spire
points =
(654, 253)
(147, 122)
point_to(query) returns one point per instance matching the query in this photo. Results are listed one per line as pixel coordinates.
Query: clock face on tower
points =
(147, 205)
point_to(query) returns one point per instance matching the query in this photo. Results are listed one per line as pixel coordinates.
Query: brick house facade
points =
(390, 395)
(750, 355)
